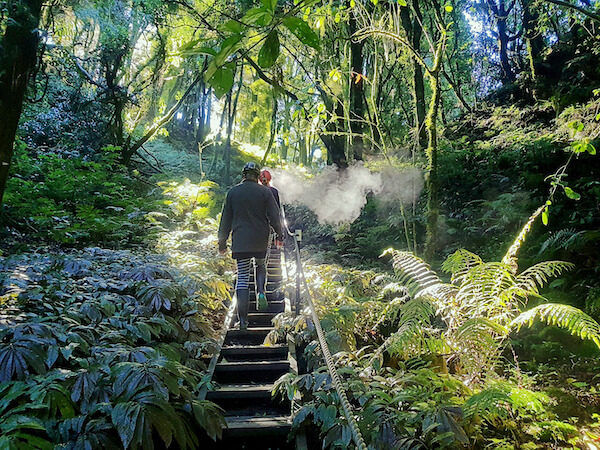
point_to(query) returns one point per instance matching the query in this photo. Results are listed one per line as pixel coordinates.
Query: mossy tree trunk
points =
(414, 32)
(433, 203)
(357, 104)
(18, 57)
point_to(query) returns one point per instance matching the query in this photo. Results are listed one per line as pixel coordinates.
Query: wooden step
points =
(275, 425)
(251, 336)
(254, 352)
(275, 306)
(250, 371)
(261, 319)
(249, 399)
(243, 390)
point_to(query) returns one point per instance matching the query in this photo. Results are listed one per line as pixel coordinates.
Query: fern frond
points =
(502, 397)
(510, 259)
(572, 319)
(489, 403)
(485, 291)
(537, 276)
(459, 263)
(412, 337)
(566, 239)
(414, 273)
(481, 331)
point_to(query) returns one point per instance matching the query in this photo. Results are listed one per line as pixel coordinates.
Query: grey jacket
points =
(248, 211)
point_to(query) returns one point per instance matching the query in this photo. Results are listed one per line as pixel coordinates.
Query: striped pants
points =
(243, 273)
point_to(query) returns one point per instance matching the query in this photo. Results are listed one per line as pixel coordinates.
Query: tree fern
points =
(572, 319)
(414, 273)
(480, 309)
(459, 263)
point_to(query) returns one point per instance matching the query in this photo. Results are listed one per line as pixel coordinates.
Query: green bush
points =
(76, 201)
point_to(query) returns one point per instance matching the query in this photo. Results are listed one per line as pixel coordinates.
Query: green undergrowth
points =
(422, 380)
(105, 345)
(497, 164)
(52, 198)
(104, 349)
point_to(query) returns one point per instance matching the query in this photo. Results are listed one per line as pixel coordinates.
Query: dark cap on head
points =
(251, 168)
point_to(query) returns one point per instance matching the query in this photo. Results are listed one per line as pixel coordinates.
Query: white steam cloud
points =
(338, 196)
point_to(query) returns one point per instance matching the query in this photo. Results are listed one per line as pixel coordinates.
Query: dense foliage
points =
(123, 122)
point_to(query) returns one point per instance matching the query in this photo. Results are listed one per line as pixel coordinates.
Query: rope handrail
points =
(337, 383)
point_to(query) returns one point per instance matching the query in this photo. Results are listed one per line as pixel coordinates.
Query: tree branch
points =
(127, 153)
(585, 12)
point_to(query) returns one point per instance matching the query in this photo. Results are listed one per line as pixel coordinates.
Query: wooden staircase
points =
(246, 371)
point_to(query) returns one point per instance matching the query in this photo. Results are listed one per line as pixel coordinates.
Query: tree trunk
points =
(432, 182)
(200, 134)
(334, 140)
(18, 57)
(413, 29)
(535, 42)
(232, 109)
(433, 207)
(357, 105)
(500, 16)
(273, 130)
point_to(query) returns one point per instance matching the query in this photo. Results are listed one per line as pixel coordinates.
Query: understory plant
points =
(52, 197)
(107, 348)
(430, 375)
(104, 349)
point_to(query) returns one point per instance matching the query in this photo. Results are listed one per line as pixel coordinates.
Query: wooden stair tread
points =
(241, 391)
(231, 348)
(258, 422)
(252, 364)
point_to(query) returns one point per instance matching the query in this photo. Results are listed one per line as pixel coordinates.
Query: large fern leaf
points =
(459, 263)
(572, 319)
(414, 273)
(537, 276)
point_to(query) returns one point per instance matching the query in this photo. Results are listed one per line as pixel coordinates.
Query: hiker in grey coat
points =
(248, 214)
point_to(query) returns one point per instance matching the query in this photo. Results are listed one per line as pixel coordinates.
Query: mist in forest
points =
(338, 196)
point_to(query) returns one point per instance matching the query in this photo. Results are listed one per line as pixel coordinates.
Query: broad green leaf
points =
(222, 81)
(189, 45)
(199, 51)
(402, 2)
(269, 4)
(335, 75)
(591, 149)
(270, 50)
(302, 31)
(545, 216)
(258, 16)
(229, 47)
(448, 8)
(233, 26)
(571, 193)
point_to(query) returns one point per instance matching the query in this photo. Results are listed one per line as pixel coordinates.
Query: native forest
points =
(438, 286)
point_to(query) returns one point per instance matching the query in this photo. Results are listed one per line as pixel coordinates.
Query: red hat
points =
(265, 174)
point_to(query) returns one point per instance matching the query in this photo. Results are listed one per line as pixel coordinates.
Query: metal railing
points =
(337, 383)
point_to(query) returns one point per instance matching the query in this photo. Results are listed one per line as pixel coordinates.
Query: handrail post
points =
(297, 240)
